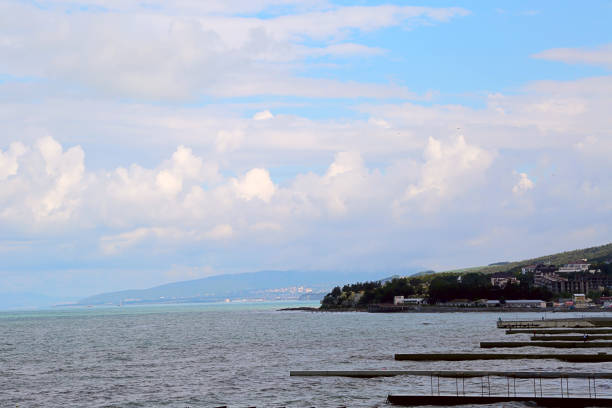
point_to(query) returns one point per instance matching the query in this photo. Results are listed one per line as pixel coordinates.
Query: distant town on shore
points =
(574, 280)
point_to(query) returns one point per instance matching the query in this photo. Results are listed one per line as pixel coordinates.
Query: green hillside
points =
(593, 254)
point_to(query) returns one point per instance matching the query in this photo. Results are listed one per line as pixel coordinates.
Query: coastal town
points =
(575, 285)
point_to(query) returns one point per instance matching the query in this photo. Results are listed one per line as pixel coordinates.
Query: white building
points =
(528, 269)
(400, 300)
(575, 266)
(526, 303)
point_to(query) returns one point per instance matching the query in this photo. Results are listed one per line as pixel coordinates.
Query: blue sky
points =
(143, 144)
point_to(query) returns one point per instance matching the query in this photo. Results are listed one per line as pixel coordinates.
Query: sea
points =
(240, 355)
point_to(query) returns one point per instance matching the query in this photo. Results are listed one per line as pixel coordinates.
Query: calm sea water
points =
(238, 355)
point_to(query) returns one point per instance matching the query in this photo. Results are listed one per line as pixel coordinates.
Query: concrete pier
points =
(584, 322)
(572, 338)
(450, 400)
(552, 344)
(559, 331)
(450, 374)
(572, 358)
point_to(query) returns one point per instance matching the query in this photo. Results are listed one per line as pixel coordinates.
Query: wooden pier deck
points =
(559, 331)
(552, 344)
(572, 338)
(572, 358)
(584, 322)
(449, 374)
(450, 400)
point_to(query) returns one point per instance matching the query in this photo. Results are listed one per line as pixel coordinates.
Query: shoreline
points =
(441, 309)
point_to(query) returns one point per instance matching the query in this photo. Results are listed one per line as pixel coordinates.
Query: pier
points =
(451, 374)
(589, 337)
(450, 400)
(553, 344)
(584, 322)
(477, 387)
(559, 331)
(571, 358)
(485, 394)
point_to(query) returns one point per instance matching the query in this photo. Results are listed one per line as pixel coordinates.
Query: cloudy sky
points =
(149, 142)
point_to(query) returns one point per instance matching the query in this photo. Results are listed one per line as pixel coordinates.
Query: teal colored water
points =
(237, 355)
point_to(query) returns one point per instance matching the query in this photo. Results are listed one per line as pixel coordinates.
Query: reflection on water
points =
(203, 355)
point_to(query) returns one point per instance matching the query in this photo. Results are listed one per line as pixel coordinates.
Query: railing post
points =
(431, 383)
(540, 386)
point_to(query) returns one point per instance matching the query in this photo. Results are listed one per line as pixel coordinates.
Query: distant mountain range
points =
(268, 285)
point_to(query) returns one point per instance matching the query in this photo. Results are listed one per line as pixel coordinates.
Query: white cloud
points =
(42, 184)
(449, 169)
(255, 183)
(190, 52)
(380, 123)
(344, 50)
(263, 115)
(601, 56)
(351, 186)
(223, 231)
(229, 140)
(344, 162)
(113, 244)
(9, 160)
(523, 185)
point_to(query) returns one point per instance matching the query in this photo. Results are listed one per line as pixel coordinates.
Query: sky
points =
(148, 142)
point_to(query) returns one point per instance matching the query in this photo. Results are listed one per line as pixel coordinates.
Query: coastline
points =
(441, 309)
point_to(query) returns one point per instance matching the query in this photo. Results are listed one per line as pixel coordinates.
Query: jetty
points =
(579, 322)
(571, 358)
(451, 374)
(485, 393)
(589, 337)
(544, 388)
(450, 400)
(553, 344)
(559, 331)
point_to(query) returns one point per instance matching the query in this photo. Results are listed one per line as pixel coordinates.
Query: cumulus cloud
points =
(263, 115)
(449, 168)
(256, 183)
(8, 160)
(523, 184)
(43, 183)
